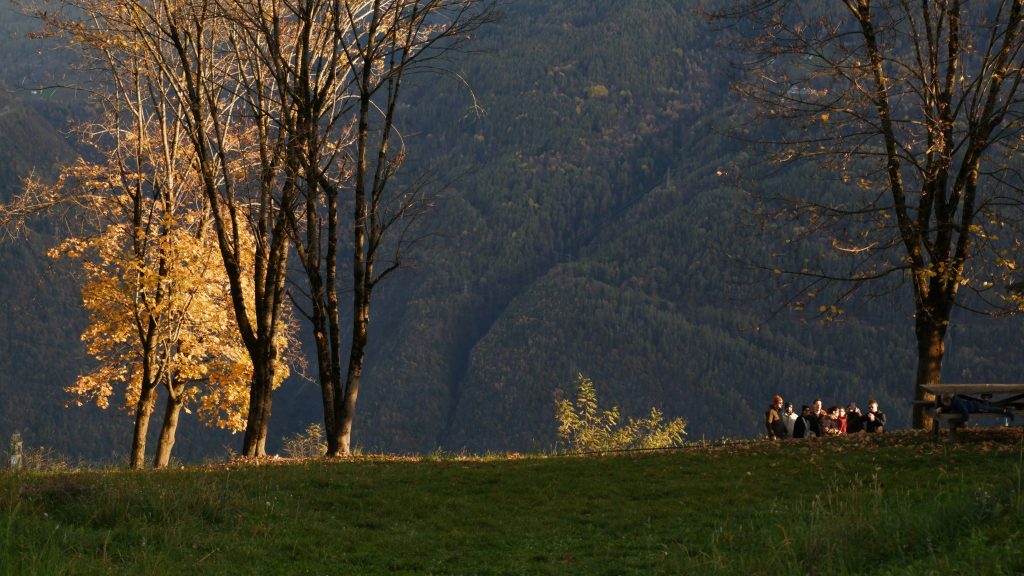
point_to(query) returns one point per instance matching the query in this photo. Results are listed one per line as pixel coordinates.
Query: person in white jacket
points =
(789, 418)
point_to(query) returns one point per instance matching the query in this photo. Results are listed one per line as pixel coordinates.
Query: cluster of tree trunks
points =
(273, 121)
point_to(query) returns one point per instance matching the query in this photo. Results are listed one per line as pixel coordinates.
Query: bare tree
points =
(915, 109)
(339, 66)
(235, 114)
(298, 46)
(394, 40)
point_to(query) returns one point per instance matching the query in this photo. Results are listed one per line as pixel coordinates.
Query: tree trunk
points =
(346, 409)
(324, 350)
(326, 388)
(258, 422)
(324, 317)
(167, 431)
(143, 410)
(333, 323)
(931, 334)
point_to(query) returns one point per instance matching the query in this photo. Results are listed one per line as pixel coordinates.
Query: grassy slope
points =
(899, 504)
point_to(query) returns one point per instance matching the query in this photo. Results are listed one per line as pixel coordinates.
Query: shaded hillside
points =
(29, 143)
(590, 230)
(37, 70)
(40, 319)
(588, 223)
(40, 316)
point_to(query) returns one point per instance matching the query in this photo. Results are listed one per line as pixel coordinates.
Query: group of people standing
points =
(782, 422)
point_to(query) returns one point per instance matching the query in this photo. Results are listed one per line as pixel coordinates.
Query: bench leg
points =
(954, 426)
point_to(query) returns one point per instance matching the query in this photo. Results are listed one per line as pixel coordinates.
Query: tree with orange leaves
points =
(289, 112)
(160, 303)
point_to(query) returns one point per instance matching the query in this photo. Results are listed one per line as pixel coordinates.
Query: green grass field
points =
(901, 503)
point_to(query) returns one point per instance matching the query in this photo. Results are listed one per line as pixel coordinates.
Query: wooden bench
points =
(954, 420)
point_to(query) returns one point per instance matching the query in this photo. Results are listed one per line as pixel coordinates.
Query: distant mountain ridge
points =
(586, 225)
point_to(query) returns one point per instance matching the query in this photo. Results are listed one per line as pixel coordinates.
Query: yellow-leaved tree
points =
(160, 318)
(192, 155)
(159, 300)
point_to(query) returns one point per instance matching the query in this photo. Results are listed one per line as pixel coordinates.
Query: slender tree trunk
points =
(326, 375)
(324, 318)
(143, 411)
(319, 291)
(347, 406)
(931, 347)
(334, 325)
(168, 430)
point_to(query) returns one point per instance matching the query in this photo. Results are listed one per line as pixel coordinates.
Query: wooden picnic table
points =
(1007, 396)
(999, 394)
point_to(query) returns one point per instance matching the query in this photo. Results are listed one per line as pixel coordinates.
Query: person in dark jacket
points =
(965, 406)
(830, 422)
(773, 420)
(806, 424)
(874, 419)
(854, 419)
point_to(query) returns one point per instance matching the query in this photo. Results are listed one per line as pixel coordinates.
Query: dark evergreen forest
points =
(588, 219)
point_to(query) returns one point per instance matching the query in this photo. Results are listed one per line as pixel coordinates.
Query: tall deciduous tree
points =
(236, 117)
(301, 50)
(290, 110)
(393, 39)
(339, 68)
(154, 287)
(176, 64)
(916, 108)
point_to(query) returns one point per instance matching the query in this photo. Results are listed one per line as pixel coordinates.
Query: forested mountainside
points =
(40, 316)
(591, 227)
(586, 222)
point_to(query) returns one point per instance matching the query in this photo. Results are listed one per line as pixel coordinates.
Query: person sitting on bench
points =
(965, 406)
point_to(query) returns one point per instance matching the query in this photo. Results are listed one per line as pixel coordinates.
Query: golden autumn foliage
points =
(240, 130)
(153, 283)
(197, 340)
